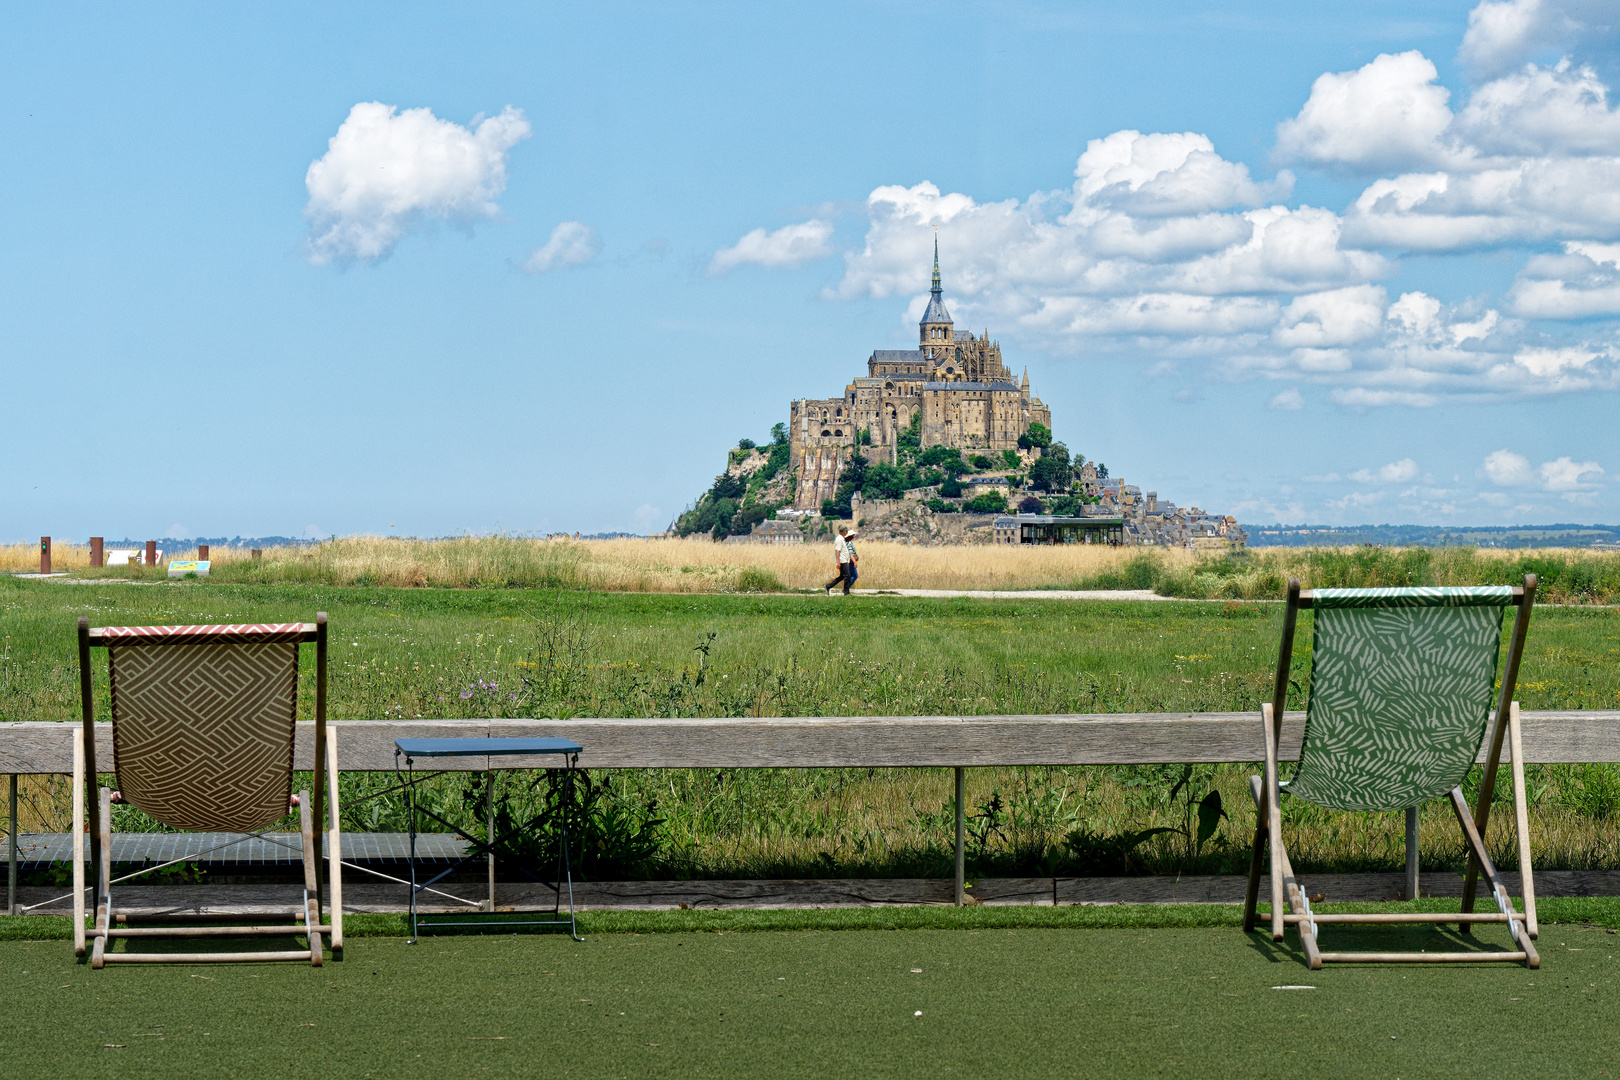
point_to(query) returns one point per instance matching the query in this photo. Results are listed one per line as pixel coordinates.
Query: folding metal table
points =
(412, 749)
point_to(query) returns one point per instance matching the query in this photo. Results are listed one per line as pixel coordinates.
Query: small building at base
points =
(1056, 529)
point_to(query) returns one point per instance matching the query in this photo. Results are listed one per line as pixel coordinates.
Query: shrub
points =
(1037, 435)
(951, 487)
(991, 502)
(980, 462)
(944, 458)
(745, 444)
(758, 579)
(1010, 459)
(1029, 504)
(1051, 472)
(940, 506)
(884, 482)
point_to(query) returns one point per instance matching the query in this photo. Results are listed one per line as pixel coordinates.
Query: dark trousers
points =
(844, 576)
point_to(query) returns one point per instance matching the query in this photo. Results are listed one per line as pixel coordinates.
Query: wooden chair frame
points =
(309, 922)
(1285, 890)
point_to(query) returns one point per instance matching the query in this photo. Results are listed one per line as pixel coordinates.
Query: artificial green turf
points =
(1594, 911)
(992, 1003)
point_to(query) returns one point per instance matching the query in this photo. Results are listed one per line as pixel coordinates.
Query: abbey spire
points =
(935, 332)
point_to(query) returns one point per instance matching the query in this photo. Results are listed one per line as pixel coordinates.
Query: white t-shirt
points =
(841, 549)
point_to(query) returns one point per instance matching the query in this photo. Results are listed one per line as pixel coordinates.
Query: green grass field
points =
(510, 652)
(1113, 991)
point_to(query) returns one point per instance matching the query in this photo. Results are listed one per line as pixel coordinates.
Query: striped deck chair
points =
(1400, 699)
(203, 721)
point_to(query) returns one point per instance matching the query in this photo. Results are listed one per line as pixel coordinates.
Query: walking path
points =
(1021, 594)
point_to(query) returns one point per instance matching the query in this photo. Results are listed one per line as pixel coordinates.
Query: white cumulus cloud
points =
(1161, 248)
(1504, 33)
(386, 172)
(789, 246)
(1565, 475)
(1396, 472)
(1508, 469)
(1389, 113)
(1290, 400)
(572, 243)
(1582, 282)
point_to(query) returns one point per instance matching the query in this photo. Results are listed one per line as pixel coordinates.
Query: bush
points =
(980, 462)
(1010, 459)
(1052, 472)
(944, 458)
(758, 579)
(991, 502)
(940, 506)
(745, 444)
(951, 487)
(1038, 435)
(909, 440)
(884, 482)
(1029, 504)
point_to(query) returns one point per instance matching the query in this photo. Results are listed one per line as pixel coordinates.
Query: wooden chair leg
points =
(1273, 812)
(1297, 905)
(1251, 899)
(334, 845)
(1521, 813)
(98, 950)
(312, 903)
(1476, 846)
(78, 842)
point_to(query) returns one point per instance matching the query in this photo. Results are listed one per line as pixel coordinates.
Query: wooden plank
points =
(286, 901)
(205, 958)
(1481, 957)
(844, 742)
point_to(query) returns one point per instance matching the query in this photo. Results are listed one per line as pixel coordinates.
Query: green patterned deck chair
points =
(203, 727)
(1400, 700)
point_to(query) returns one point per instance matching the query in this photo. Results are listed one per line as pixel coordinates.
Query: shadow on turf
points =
(1391, 938)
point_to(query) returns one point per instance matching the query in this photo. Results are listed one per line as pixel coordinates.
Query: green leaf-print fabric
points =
(1401, 685)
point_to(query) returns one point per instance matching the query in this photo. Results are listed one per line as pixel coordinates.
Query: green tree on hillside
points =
(1038, 435)
(1051, 472)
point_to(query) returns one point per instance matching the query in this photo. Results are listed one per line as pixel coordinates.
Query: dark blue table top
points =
(470, 747)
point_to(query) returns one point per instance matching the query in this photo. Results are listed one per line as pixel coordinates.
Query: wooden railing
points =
(958, 742)
(845, 742)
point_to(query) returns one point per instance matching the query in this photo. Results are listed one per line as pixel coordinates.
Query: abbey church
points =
(956, 382)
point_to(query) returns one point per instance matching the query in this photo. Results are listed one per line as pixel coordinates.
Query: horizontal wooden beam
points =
(839, 742)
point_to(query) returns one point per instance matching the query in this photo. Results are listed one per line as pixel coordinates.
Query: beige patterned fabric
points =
(203, 733)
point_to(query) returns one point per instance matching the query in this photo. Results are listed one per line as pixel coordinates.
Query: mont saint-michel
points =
(953, 387)
(940, 444)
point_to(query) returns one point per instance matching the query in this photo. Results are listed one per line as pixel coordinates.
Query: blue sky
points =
(430, 270)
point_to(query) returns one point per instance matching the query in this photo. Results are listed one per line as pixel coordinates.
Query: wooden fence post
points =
(44, 554)
(960, 854)
(1411, 853)
(202, 552)
(95, 551)
(151, 553)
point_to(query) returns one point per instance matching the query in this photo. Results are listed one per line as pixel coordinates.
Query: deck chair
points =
(1400, 698)
(203, 721)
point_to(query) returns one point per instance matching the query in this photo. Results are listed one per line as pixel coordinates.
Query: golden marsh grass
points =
(692, 565)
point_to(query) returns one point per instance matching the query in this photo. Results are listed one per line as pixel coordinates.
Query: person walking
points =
(841, 555)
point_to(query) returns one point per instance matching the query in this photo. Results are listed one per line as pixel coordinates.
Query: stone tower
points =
(936, 331)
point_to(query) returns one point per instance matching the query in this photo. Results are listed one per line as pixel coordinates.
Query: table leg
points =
(489, 835)
(11, 864)
(410, 826)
